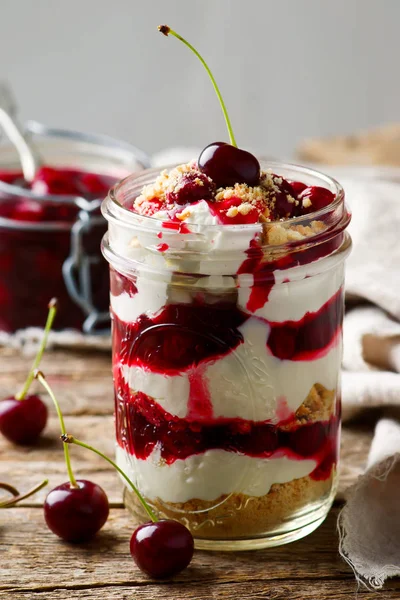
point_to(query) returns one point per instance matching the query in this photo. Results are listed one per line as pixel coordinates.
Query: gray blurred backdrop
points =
(288, 69)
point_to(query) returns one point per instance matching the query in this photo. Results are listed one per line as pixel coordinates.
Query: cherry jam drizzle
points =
(263, 272)
(179, 337)
(308, 338)
(177, 439)
(182, 336)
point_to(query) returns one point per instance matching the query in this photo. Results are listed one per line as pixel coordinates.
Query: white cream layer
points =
(290, 299)
(209, 475)
(248, 383)
(217, 250)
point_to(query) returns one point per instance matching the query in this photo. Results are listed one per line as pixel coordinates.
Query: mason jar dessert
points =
(227, 309)
(50, 229)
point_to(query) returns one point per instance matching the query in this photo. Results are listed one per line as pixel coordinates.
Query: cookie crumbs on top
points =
(173, 188)
(154, 194)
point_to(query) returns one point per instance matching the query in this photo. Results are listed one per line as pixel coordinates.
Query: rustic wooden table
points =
(35, 565)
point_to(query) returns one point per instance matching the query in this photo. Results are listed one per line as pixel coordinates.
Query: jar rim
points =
(132, 216)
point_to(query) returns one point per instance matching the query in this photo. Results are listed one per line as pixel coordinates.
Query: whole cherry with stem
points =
(161, 548)
(77, 509)
(225, 164)
(23, 417)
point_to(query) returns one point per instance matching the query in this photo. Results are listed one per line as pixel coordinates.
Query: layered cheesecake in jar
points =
(227, 308)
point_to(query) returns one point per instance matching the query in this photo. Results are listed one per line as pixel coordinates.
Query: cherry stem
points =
(41, 378)
(166, 31)
(9, 488)
(69, 439)
(50, 318)
(17, 496)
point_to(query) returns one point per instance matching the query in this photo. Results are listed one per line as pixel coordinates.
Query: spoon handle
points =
(29, 157)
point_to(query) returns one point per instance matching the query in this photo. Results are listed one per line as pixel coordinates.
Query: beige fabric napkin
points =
(369, 523)
(371, 360)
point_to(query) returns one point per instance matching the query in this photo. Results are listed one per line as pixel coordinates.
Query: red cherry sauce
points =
(31, 257)
(180, 337)
(311, 337)
(263, 272)
(177, 439)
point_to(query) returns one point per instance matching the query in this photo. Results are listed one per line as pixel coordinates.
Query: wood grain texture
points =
(34, 564)
(34, 561)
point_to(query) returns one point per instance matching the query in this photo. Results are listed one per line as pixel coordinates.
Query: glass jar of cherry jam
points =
(50, 231)
(227, 344)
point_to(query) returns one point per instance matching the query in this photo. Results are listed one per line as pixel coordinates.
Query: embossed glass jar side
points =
(226, 368)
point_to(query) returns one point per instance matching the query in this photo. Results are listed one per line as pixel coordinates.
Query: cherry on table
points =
(22, 421)
(162, 549)
(23, 417)
(76, 513)
(226, 165)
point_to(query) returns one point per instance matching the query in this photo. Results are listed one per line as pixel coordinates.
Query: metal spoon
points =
(29, 156)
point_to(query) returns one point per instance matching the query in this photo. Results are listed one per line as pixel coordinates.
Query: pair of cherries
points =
(77, 509)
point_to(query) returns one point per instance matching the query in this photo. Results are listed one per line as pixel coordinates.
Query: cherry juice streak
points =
(312, 336)
(177, 439)
(263, 272)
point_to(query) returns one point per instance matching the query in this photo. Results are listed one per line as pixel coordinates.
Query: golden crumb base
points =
(241, 516)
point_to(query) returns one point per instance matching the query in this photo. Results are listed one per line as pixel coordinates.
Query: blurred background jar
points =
(50, 229)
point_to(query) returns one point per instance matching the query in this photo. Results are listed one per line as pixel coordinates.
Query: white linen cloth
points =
(369, 524)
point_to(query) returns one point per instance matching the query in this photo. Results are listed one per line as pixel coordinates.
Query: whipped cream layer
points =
(209, 475)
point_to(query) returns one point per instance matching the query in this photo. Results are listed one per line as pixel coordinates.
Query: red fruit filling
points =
(31, 259)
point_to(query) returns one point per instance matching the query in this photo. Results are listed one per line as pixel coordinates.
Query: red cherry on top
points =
(162, 549)
(314, 198)
(226, 165)
(22, 421)
(76, 514)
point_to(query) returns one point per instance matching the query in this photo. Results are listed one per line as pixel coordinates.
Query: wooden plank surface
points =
(35, 564)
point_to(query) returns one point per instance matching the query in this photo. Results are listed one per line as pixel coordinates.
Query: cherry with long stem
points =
(168, 31)
(49, 323)
(225, 164)
(161, 548)
(77, 509)
(41, 378)
(69, 439)
(23, 417)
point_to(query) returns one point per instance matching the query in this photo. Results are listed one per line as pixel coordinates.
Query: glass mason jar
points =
(49, 244)
(227, 344)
